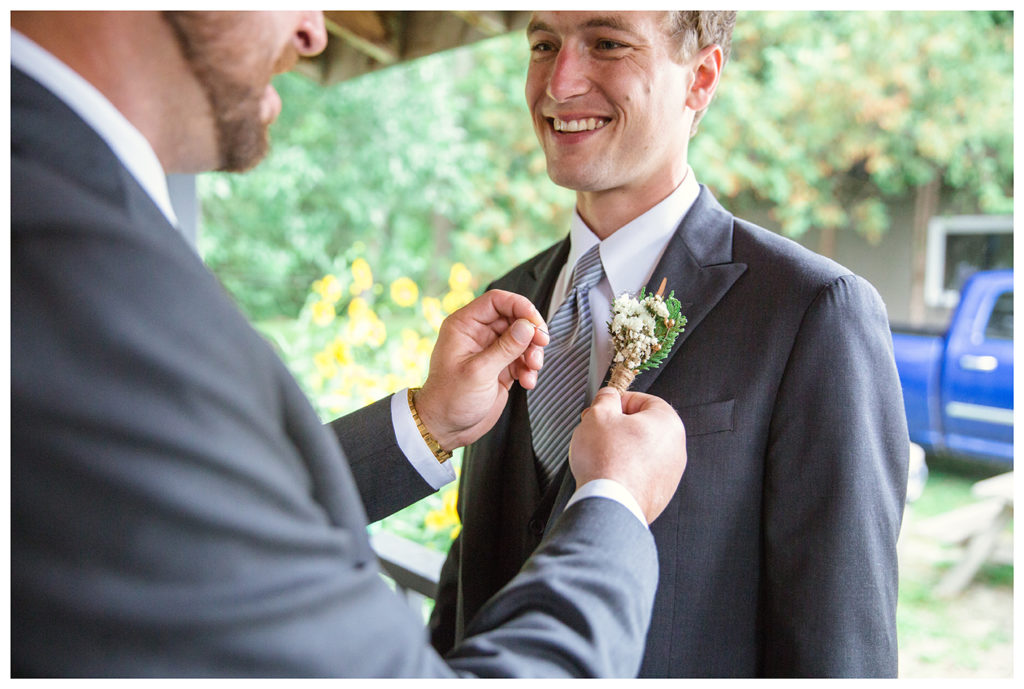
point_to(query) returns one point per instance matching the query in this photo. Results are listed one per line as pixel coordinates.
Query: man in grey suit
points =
(778, 552)
(177, 509)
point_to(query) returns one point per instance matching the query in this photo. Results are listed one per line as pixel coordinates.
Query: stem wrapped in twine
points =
(621, 378)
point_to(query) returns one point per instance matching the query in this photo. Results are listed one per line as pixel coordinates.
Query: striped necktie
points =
(561, 392)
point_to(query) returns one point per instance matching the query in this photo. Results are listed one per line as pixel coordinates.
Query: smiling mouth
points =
(584, 125)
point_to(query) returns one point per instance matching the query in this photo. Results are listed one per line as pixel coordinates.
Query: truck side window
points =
(1000, 323)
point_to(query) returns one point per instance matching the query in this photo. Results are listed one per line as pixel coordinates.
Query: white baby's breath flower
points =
(640, 328)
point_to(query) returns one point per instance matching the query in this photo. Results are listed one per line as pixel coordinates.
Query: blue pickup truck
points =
(958, 385)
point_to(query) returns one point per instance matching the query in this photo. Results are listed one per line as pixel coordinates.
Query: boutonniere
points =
(643, 330)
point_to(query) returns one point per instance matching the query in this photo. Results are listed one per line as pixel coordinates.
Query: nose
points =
(568, 76)
(310, 35)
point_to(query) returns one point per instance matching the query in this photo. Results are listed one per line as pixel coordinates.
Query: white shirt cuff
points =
(410, 442)
(612, 490)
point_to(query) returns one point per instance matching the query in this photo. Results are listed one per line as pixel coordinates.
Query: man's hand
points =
(482, 348)
(637, 440)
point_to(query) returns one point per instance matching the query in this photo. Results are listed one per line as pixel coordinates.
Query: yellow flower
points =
(364, 326)
(447, 516)
(358, 308)
(451, 502)
(404, 292)
(362, 276)
(357, 330)
(456, 299)
(459, 277)
(425, 347)
(328, 288)
(325, 364)
(323, 312)
(412, 362)
(340, 352)
(393, 382)
(378, 331)
(432, 312)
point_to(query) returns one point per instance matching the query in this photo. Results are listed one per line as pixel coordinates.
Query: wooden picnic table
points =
(978, 528)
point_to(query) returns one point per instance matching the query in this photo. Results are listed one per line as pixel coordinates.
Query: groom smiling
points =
(778, 552)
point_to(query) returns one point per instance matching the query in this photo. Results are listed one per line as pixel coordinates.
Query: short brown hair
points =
(694, 30)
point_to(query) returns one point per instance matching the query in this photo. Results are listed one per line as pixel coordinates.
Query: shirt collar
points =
(631, 253)
(127, 142)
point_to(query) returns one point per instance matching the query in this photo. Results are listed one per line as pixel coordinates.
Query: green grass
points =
(943, 492)
(950, 636)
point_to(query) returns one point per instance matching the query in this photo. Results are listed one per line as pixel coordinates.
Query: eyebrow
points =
(612, 21)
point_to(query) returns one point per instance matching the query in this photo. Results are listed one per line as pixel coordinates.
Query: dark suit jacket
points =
(176, 506)
(778, 552)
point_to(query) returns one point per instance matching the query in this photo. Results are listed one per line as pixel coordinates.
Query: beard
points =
(242, 137)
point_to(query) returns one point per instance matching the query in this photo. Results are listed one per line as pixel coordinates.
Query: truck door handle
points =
(973, 362)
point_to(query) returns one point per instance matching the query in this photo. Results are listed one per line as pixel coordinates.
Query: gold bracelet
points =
(440, 453)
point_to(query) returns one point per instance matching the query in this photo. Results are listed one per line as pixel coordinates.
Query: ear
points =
(707, 68)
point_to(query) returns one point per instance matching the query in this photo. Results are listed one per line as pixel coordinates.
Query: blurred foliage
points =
(826, 117)
(822, 120)
(420, 162)
(358, 339)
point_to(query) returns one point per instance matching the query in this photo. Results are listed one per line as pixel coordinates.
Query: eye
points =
(609, 44)
(542, 47)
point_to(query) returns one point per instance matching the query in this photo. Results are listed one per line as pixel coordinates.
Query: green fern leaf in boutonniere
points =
(643, 330)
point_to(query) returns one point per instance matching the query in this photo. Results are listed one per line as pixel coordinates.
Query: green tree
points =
(824, 117)
(823, 120)
(406, 167)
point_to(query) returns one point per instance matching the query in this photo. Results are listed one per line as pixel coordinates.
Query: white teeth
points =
(579, 125)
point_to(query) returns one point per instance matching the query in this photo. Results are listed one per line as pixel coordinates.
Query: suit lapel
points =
(561, 489)
(698, 266)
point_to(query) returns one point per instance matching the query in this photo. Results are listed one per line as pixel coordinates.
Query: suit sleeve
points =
(835, 484)
(177, 509)
(386, 480)
(573, 611)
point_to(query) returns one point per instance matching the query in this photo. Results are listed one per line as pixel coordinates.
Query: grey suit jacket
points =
(778, 552)
(177, 508)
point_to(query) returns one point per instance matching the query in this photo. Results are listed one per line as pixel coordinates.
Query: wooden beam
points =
(491, 23)
(367, 32)
(365, 41)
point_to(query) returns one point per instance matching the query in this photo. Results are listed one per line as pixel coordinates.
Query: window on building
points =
(958, 247)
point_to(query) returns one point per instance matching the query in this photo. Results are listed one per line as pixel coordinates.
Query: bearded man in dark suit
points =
(778, 552)
(177, 509)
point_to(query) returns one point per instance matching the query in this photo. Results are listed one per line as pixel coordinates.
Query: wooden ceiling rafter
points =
(366, 32)
(367, 40)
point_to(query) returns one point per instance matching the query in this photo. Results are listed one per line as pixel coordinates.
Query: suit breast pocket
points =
(703, 419)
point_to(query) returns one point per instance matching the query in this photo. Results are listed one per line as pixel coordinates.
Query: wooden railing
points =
(414, 568)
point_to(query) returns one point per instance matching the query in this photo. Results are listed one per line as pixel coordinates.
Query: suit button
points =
(536, 526)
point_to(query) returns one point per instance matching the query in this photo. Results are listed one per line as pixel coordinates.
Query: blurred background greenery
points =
(390, 199)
